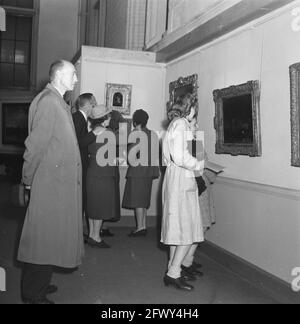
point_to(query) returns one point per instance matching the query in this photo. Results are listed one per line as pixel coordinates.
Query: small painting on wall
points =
(15, 123)
(118, 97)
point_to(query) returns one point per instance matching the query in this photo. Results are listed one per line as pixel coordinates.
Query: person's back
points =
(100, 166)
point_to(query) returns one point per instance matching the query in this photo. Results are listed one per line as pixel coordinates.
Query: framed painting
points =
(183, 86)
(237, 120)
(118, 97)
(295, 113)
(14, 123)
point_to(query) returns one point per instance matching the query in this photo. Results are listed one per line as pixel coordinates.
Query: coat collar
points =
(63, 103)
(50, 87)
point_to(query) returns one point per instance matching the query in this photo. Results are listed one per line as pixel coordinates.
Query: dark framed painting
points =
(237, 120)
(118, 97)
(183, 86)
(14, 123)
(295, 113)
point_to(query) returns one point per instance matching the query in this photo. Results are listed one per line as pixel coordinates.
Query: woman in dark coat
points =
(103, 193)
(137, 194)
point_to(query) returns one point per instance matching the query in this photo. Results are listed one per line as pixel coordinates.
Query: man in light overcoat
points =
(52, 233)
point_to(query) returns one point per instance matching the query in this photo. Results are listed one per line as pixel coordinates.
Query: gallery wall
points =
(258, 199)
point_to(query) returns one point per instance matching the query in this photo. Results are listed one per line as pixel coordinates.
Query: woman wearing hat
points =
(103, 193)
(137, 194)
(181, 224)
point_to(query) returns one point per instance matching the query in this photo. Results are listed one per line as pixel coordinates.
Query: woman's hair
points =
(84, 100)
(140, 117)
(98, 122)
(182, 107)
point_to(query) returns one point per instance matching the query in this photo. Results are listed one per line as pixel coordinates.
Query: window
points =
(16, 44)
(17, 3)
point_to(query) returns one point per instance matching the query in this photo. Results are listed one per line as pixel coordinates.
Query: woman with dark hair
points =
(138, 189)
(103, 193)
(181, 224)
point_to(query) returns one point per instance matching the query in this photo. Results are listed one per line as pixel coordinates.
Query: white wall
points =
(100, 66)
(261, 230)
(255, 54)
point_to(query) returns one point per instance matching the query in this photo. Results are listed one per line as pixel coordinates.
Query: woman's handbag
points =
(201, 185)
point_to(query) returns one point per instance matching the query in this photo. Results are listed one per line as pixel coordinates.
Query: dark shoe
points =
(196, 265)
(187, 276)
(141, 233)
(106, 233)
(192, 271)
(85, 238)
(51, 290)
(44, 301)
(179, 283)
(101, 245)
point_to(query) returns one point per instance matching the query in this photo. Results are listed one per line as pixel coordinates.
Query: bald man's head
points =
(63, 75)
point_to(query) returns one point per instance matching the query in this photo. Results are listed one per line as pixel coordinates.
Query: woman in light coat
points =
(182, 223)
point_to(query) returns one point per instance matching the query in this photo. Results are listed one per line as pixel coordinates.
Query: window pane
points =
(25, 4)
(17, 3)
(23, 28)
(11, 3)
(7, 51)
(22, 53)
(10, 32)
(22, 76)
(6, 75)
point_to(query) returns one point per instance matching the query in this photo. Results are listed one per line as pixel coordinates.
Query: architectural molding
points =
(172, 47)
(279, 192)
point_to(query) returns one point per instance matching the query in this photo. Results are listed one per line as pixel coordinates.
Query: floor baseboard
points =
(273, 286)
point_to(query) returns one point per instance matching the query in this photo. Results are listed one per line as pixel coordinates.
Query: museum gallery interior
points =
(241, 59)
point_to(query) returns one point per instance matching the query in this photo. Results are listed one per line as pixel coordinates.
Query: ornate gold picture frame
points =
(237, 120)
(183, 86)
(118, 97)
(295, 113)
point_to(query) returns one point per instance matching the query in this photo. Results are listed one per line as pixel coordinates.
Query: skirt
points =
(137, 193)
(103, 198)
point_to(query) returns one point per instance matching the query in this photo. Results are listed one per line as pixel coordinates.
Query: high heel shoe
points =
(188, 276)
(192, 271)
(196, 265)
(178, 283)
(140, 233)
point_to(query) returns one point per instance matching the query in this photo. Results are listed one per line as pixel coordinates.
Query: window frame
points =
(34, 14)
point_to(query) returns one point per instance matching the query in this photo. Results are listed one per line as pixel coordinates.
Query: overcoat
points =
(52, 232)
(181, 223)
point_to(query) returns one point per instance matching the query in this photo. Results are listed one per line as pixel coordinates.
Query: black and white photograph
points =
(149, 155)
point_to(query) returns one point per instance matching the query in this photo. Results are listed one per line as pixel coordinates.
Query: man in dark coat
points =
(52, 233)
(84, 105)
